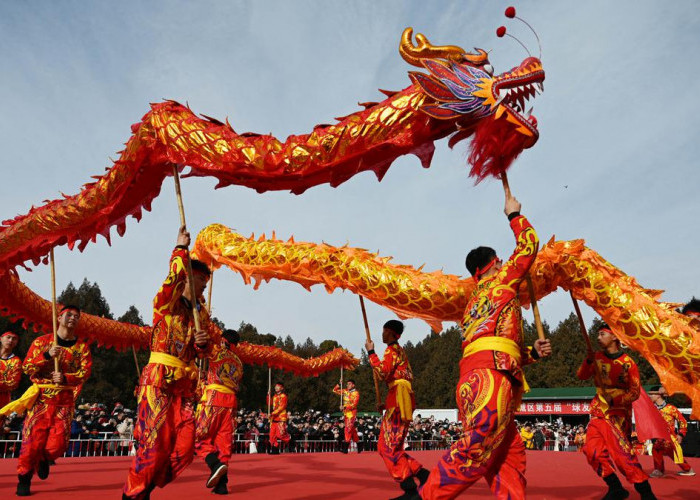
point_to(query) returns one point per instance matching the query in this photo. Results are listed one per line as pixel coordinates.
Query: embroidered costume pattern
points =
(491, 383)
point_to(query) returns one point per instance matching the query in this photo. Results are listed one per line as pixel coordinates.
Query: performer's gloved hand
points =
(543, 347)
(201, 338)
(183, 238)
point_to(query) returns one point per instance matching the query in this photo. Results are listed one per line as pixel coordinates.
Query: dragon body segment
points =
(369, 140)
(20, 302)
(653, 328)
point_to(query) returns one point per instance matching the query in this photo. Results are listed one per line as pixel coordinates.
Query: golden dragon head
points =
(462, 85)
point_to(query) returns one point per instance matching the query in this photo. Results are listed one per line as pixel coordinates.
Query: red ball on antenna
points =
(501, 31)
(510, 12)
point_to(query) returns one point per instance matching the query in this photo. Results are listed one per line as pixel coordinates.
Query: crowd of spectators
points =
(552, 436)
(98, 430)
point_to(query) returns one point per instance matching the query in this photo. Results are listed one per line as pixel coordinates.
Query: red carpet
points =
(551, 476)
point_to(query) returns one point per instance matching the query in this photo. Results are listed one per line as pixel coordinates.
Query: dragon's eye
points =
(488, 68)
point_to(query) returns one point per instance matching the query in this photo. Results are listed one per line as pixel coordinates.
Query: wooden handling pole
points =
(190, 278)
(211, 287)
(269, 391)
(530, 287)
(341, 388)
(54, 312)
(183, 223)
(589, 347)
(136, 361)
(374, 375)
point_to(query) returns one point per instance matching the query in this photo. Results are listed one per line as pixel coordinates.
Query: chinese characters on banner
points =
(535, 407)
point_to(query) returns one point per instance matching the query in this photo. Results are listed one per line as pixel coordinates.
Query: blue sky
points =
(616, 163)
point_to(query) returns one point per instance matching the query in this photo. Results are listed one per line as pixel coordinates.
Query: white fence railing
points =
(107, 444)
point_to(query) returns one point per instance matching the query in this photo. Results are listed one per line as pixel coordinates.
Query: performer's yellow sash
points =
(403, 398)
(677, 451)
(499, 344)
(182, 369)
(27, 400)
(215, 387)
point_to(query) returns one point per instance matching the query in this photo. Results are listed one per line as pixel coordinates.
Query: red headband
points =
(480, 272)
(9, 333)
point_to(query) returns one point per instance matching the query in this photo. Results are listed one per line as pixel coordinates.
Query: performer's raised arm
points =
(174, 284)
(527, 244)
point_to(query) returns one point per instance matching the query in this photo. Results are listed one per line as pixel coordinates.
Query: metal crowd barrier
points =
(104, 446)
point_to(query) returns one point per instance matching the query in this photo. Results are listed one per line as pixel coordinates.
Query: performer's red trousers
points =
(661, 449)
(351, 430)
(215, 431)
(607, 447)
(165, 435)
(278, 432)
(45, 434)
(390, 446)
(490, 446)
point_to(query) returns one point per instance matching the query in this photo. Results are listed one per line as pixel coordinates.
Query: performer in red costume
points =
(351, 398)
(491, 380)
(50, 401)
(616, 377)
(10, 368)
(217, 410)
(395, 370)
(165, 431)
(671, 448)
(278, 419)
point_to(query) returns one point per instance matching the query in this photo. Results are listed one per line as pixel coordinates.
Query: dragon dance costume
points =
(50, 406)
(608, 436)
(350, 398)
(491, 383)
(10, 376)
(278, 421)
(395, 370)
(217, 409)
(165, 430)
(672, 449)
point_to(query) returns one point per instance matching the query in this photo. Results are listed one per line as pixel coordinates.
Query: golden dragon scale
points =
(653, 328)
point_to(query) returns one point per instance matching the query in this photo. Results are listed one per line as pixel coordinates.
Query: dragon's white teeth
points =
(541, 86)
(529, 112)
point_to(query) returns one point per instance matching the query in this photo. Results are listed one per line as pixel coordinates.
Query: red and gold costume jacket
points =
(74, 362)
(395, 370)
(617, 386)
(10, 375)
(671, 416)
(350, 398)
(279, 408)
(173, 332)
(221, 384)
(493, 311)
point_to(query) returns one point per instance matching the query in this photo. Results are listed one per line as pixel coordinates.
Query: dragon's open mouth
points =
(513, 89)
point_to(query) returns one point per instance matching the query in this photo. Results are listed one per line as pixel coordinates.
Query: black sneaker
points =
(24, 484)
(221, 488)
(216, 475)
(43, 470)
